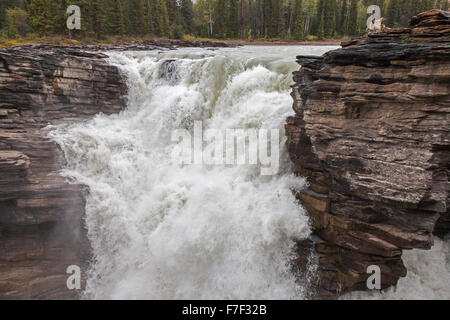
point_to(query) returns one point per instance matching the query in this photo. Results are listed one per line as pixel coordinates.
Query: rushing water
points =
(428, 276)
(164, 231)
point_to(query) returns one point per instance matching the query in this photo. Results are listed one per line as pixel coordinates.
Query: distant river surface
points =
(164, 231)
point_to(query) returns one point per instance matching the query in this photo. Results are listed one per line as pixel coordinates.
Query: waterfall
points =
(164, 231)
(161, 230)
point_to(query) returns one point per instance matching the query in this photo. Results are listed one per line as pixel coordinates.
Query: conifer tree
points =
(172, 10)
(233, 19)
(329, 18)
(58, 13)
(187, 13)
(320, 28)
(393, 13)
(214, 18)
(344, 18)
(138, 17)
(353, 18)
(299, 20)
(164, 19)
(152, 14)
(40, 17)
(219, 25)
(116, 17)
(98, 18)
(16, 22)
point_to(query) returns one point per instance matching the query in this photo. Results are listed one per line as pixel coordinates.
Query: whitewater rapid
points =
(160, 230)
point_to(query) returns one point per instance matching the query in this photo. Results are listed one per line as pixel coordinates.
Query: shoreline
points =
(5, 44)
(284, 43)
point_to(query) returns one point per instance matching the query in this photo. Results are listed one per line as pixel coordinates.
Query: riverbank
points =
(126, 41)
(331, 42)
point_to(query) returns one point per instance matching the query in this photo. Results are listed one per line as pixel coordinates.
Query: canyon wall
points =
(41, 214)
(371, 135)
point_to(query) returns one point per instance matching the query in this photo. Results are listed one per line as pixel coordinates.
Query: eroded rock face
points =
(371, 134)
(41, 214)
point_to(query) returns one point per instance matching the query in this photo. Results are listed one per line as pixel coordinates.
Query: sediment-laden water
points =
(160, 230)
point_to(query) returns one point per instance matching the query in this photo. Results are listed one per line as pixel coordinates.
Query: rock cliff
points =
(41, 214)
(371, 135)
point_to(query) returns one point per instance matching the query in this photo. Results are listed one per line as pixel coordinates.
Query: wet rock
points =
(94, 51)
(41, 214)
(371, 133)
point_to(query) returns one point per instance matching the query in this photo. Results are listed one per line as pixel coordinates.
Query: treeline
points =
(243, 19)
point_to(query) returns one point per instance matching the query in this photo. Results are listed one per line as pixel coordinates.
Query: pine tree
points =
(319, 20)
(187, 13)
(393, 13)
(320, 29)
(40, 16)
(172, 9)
(271, 17)
(294, 19)
(353, 18)
(329, 18)
(152, 14)
(59, 16)
(220, 22)
(233, 19)
(138, 15)
(16, 22)
(299, 21)
(98, 18)
(164, 25)
(116, 17)
(344, 18)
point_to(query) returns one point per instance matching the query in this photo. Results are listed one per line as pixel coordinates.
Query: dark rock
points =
(41, 214)
(371, 134)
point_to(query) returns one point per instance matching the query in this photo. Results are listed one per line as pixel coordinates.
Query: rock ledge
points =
(371, 134)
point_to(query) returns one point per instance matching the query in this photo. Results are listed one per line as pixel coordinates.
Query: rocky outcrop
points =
(41, 214)
(371, 135)
(146, 45)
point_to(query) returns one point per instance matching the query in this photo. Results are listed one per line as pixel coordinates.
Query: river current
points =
(161, 230)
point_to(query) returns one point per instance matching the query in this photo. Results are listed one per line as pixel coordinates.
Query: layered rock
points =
(371, 134)
(41, 214)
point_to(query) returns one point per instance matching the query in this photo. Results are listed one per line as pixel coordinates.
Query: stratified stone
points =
(371, 133)
(41, 214)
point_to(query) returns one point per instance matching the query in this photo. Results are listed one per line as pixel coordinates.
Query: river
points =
(161, 230)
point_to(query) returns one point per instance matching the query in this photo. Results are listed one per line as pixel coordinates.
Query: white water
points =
(428, 276)
(161, 231)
